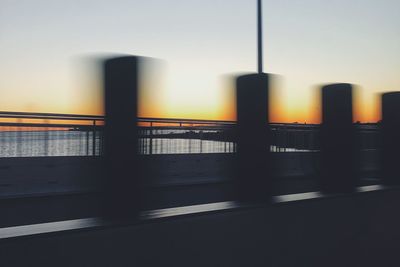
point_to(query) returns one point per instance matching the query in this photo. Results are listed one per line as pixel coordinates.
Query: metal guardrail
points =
(25, 134)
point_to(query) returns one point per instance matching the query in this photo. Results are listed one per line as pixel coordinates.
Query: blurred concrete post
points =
(123, 176)
(390, 131)
(338, 164)
(252, 178)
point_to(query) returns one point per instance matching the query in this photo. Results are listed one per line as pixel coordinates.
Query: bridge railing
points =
(25, 134)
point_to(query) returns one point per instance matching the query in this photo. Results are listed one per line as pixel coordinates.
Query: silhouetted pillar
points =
(123, 175)
(390, 133)
(253, 180)
(337, 140)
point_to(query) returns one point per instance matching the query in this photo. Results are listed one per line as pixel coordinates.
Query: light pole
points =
(259, 36)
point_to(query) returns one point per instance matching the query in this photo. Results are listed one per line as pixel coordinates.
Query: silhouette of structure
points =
(124, 187)
(259, 36)
(337, 139)
(253, 180)
(390, 128)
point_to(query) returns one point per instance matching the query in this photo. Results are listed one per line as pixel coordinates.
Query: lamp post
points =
(259, 36)
(253, 176)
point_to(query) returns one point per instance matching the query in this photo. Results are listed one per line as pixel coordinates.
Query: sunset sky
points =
(48, 47)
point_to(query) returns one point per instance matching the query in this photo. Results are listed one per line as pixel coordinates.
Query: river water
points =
(80, 143)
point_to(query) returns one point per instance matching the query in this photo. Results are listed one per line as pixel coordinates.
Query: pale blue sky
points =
(307, 42)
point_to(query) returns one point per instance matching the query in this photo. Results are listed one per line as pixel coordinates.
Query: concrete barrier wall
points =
(44, 175)
(352, 230)
(52, 175)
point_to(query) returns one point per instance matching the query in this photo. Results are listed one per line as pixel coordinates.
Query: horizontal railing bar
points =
(200, 127)
(9, 114)
(181, 122)
(17, 124)
(49, 118)
(176, 120)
